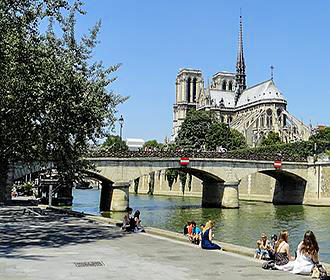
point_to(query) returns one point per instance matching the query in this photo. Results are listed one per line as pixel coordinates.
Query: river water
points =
(238, 226)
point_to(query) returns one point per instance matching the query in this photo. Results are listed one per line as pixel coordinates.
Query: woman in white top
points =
(307, 255)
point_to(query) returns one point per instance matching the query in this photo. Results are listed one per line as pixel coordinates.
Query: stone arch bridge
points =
(220, 178)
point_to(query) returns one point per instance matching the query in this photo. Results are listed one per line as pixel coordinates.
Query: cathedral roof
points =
(260, 92)
(227, 98)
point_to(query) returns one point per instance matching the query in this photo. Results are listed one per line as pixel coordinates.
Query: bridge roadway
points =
(55, 247)
(298, 182)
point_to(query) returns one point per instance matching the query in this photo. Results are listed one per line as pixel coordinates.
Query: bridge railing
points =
(298, 152)
(246, 154)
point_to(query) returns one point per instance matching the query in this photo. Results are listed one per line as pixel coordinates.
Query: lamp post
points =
(121, 122)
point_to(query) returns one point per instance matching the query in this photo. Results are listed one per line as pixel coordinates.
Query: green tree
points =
(152, 144)
(194, 129)
(237, 140)
(115, 143)
(322, 135)
(217, 135)
(53, 101)
(272, 139)
(202, 128)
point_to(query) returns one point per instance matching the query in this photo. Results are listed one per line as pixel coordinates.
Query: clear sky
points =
(154, 38)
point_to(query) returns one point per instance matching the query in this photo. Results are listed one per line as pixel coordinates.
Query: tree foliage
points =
(219, 134)
(322, 135)
(152, 144)
(53, 101)
(115, 143)
(297, 151)
(201, 128)
(272, 139)
(194, 129)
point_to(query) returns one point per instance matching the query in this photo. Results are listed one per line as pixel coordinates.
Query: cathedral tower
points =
(189, 84)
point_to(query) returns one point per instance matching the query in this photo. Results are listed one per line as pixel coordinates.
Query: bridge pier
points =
(220, 194)
(120, 196)
(106, 195)
(230, 195)
(114, 196)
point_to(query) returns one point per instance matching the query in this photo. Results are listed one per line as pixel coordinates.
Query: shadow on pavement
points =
(48, 230)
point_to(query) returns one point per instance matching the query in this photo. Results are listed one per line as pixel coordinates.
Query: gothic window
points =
(257, 123)
(188, 89)
(194, 89)
(279, 111)
(269, 112)
(224, 84)
(230, 119)
(222, 118)
(269, 120)
(262, 121)
(230, 86)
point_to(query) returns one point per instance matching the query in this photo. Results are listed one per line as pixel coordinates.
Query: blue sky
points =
(153, 39)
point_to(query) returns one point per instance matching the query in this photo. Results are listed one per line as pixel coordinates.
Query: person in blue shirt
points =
(196, 234)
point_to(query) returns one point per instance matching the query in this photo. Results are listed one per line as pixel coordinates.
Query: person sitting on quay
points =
(190, 231)
(185, 228)
(138, 227)
(262, 247)
(196, 234)
(207, 237)
(307, 256)
(273, 243)
(128, 221)
(282, 250)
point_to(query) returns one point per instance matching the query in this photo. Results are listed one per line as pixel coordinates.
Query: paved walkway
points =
(54, 246)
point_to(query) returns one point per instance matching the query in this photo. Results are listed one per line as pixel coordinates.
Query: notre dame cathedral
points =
(254, 111)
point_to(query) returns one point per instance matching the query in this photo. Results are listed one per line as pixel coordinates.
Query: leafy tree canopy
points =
(53, 101)
(152, 144)
(322, 135)
(202, 129)
(115, 143)
(272, 139)
(194, 129)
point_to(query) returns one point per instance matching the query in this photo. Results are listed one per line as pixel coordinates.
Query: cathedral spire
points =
(240, 64)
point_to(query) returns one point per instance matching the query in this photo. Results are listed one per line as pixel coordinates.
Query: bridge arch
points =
(286, 187)
(289, 188)
(214, 189)
(202, 175)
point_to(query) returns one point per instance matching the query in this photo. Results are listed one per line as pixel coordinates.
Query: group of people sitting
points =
(132, 223)
(202, 235)
(279, 256)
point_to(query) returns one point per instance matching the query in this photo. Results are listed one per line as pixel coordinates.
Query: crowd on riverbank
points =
(201, 235)
(276, 251)
(278, 255)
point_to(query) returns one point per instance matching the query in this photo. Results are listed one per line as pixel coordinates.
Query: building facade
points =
(254, 111)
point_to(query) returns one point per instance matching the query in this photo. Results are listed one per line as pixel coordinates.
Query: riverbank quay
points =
(45, 244)
(226, 247)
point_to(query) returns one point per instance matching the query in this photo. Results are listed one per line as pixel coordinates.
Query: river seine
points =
(238, 226)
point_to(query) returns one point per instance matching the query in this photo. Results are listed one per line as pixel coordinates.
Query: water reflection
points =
(239, 226)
